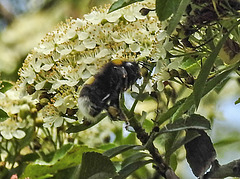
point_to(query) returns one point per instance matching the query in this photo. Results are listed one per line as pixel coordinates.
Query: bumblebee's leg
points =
(114, 110)
(116, 114)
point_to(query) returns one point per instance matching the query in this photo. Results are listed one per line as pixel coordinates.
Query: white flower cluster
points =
(55, 70)
(21, 112)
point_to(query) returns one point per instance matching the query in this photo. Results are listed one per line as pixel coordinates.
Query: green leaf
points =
(147, 124)
(5, 86)
(135, 157)
(238, 101)
(61, 153)
(69, 173)
(170, 140)
(82, 127)
(165, 116)
(140, 97)
(218, 79)
(220, 86)
(130, 139)
(200, 153)
(79, 127)
(191, 65)
(173, 141)
(107, 146)
(180, 142)
(129, 169)
(194, 121)
(120, 4)
(117, 150)
(66, 157)
(173, 161)
(203, 75)
(165, 8)
(177, 15)
(96, 166)
(207, 66)
(30, 157)
(4, 172)
(3, 115)
(227, 141)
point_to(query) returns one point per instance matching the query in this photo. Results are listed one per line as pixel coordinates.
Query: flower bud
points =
(24, 111)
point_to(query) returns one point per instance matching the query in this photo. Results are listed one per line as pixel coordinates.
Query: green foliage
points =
(238, 101)
(129, 169)
(66, 157)
(135, 157)
(3, 115)
(188, 102)
(120, 4)
(165, 8)
(117, 150)
(5, 86)
(204, 73)
(96, 166)
(177, 14)
(194, 121)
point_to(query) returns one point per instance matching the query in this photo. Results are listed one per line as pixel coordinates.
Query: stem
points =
(147, 141)
(49, 136)
(141, 90)
(137, 99)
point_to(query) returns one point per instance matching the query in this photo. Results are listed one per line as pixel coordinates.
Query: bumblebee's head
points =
(133, 72)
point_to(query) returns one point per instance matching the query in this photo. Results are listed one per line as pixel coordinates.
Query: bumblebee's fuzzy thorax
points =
(103, 90)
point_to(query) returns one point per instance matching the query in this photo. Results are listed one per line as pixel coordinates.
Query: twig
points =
(231, 169)
(161, 167)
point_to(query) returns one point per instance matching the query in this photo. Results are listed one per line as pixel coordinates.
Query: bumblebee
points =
(102, 91)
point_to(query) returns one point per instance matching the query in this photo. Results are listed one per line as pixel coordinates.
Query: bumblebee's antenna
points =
(146, 65)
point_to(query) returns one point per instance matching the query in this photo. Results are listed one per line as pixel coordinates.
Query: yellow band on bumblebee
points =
(117, 61)
(90, 80)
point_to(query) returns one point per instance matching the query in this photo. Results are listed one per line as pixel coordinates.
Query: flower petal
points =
(19, 134)
(7, 135)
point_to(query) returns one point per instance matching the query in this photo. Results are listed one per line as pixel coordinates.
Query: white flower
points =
(2, 95)
(50, 121)
(45, 48)
(89, 43)
(10, 128)
(64, 48)
(113, 16)
(71, 32)
(134, 47)
(161, 35)
(40, 85)
(64, 102)
(29, 75)
(95, 17)
(102, 53)
(82, 35)
(51, 116)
